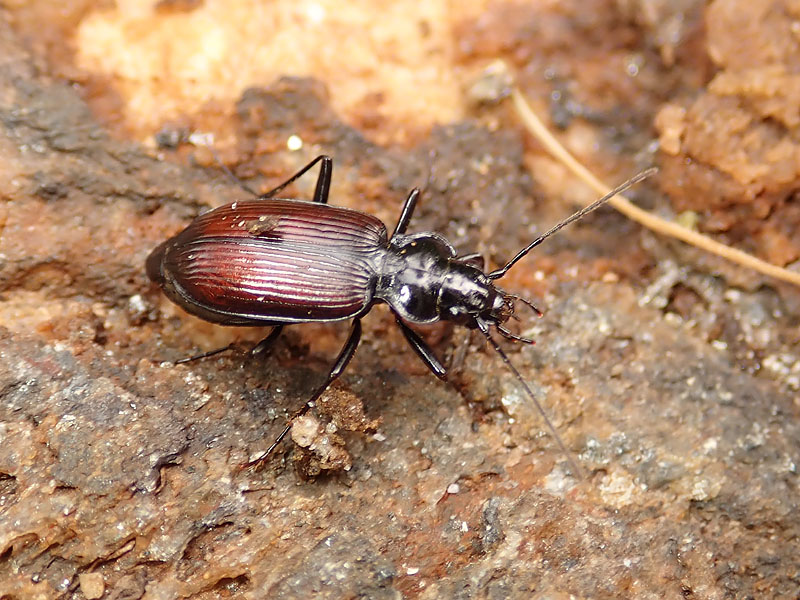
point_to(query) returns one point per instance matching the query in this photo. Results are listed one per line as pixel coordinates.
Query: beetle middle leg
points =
(267, 341)
(323, 180)
(346, 353)
(203, 355)
(423, 350)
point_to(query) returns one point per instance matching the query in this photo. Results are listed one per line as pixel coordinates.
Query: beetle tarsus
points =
(203, 355)
(257, 462)
(231, 175)
(260, 347)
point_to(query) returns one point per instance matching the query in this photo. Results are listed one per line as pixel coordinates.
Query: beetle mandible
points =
(279, 261)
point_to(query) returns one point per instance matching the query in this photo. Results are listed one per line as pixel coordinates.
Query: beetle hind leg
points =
(346, 353)
(323, 181)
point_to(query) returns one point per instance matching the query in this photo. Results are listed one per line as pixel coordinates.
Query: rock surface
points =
(673, 379)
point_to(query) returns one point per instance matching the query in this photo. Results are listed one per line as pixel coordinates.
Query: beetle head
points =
(483, 305)
(467, 295)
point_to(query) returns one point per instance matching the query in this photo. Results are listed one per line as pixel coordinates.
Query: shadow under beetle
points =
(275, 261)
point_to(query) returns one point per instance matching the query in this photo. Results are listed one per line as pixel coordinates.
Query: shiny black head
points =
(468, 296)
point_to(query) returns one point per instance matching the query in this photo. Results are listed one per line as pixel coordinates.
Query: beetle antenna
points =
(524, 384)
(578, 215)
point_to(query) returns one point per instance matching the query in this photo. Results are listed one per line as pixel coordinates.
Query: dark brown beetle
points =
(273, 261)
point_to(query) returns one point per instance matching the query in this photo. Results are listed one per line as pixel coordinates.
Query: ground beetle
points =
(274, 261)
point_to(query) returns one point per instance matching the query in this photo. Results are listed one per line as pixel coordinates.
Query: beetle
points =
(279, 261)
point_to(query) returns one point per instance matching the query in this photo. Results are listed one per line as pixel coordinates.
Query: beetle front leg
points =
(346, 353)
(423, 350)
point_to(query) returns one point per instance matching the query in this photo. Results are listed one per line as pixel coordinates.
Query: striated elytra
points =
(278, 261)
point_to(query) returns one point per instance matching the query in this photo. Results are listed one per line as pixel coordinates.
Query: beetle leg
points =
(267, 341)
(347, 352)
(423, 350)
(323, 181)
(257, 349)
(406, 213)
(230, 174)
(203, 355)
(460, 352)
